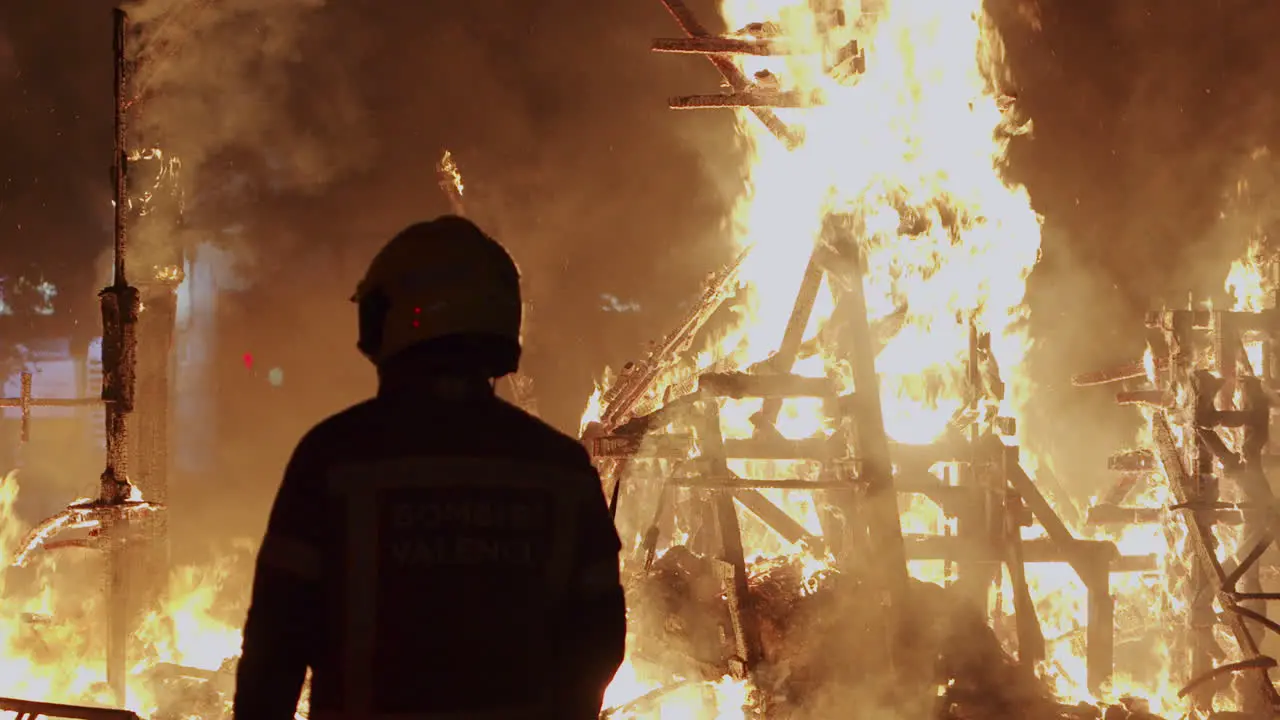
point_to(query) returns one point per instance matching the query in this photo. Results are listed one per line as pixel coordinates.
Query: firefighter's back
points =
(460, 531)
(435, 552)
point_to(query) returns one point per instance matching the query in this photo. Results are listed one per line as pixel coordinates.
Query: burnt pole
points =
(119, 302)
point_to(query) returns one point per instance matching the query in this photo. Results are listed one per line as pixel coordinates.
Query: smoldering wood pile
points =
(819, 630)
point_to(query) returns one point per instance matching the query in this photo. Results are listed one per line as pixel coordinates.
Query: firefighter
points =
(435, 551)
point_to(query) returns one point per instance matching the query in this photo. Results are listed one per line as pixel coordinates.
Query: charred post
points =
(120, 305)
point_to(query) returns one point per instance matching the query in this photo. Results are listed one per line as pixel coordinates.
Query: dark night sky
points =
(333, 114)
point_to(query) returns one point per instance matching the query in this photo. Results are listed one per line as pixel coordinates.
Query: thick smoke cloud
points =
(1147, 115)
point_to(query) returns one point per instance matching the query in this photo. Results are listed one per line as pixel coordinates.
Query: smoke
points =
(8, 61)
(1147, 116)
(213, 77)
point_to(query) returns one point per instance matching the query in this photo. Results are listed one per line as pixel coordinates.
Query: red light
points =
(248, 361)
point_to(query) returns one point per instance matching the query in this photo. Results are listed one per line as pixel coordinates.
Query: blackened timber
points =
(1258, 547)
(1031, 647)
(26, 402)
(1116, 374)
(774, 516)
(879, 506)
(1150, 398)
(741, 602)
(119, 348)
(150, 443)
(730, 72)
(1100, 641)
(793, 333)
(1132, 461)
(1264, 321)
(735, 482)
(721, 46)
(749, 99)
(638, 379)
(738, 385)
(1049, 520)
(1040, 550)
(646, 446)
(779, 449)
(1107, 514)
(1256, 423)
(1202, 544)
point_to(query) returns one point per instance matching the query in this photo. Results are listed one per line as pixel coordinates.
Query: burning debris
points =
(809, 623)
(1206, 389)
(875, 362)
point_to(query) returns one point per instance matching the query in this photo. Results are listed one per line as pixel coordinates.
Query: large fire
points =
(915, 145)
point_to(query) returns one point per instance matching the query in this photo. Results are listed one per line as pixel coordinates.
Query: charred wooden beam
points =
(722, 46)
(742, 608)
(1149, 398)
(688, 22)
(1116, 374)
(778, 449)
(738, 385)
(26, 402)
(657, 446)
(1133, 461)
(638, 379)
(749, 99)
(1267, 321)
(735, 482)
(775, 517)
(1040, 550)
(1049, 520)
(1108, 514)
(1202, 543)
(801, 311)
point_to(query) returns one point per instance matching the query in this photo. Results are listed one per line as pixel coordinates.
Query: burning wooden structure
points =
(660, 444)
(1207, 386)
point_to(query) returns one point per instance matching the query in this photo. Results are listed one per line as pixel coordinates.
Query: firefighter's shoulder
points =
(544, 440)
(330, 438)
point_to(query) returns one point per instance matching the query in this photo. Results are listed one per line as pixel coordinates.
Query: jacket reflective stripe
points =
(290, 555)
(361, 485)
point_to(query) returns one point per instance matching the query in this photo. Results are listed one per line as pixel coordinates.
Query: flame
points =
(912, 146)
(1247, 283)
(51, 619)
(448, 169)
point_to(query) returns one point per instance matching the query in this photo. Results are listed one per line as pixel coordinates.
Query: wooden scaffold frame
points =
(989, 492)
(1200, 387)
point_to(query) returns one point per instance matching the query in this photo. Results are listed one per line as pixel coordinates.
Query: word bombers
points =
(470, 531)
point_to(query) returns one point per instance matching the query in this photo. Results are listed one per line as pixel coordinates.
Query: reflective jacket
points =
(435, 552)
